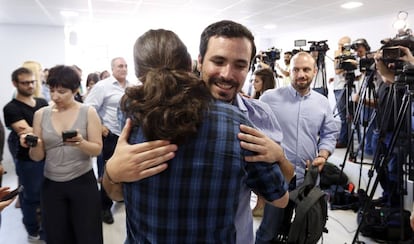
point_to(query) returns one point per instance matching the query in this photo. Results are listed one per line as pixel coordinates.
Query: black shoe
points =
(107, 217)
(340, 145)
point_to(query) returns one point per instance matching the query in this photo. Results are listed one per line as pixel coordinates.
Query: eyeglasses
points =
(28, 82)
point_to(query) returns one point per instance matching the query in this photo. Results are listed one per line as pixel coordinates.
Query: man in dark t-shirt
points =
(18, 115)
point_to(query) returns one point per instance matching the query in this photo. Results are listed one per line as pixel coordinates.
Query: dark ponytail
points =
(171, 102)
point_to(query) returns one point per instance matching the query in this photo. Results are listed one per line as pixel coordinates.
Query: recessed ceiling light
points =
(66, 13)
(270, 26)
(349, 5)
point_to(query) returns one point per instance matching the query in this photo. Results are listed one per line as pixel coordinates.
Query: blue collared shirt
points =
(195, 199)
(262, 118)
(105, 97)
(307, 124)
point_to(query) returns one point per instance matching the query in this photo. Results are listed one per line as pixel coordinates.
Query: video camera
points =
(268, 57)
(391, 53)
(320, 46)
(367, 63)
(347, 61)
(271, 55)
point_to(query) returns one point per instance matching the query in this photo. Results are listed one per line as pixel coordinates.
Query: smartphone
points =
(12, 194)
(66, 134)
(31, 140)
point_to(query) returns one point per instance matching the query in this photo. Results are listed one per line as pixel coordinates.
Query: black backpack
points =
(331, 175)
(385, 224)
(311, 211)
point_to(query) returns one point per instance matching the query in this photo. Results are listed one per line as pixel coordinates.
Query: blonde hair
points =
(344, 40)
(36, 68)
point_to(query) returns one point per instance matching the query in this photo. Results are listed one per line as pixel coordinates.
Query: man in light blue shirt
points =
(309, 131)
(105, 97)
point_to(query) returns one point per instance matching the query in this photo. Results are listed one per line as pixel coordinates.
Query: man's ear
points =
(199, 64)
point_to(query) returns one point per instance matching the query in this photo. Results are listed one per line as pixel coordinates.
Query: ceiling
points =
(285, 15)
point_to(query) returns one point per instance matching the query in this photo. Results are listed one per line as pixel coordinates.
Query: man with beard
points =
(309, 132)
(226, 51)
(18, 115)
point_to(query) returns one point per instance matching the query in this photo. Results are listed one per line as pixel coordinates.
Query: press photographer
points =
(339, 83)
(365, 86)
(394, 62)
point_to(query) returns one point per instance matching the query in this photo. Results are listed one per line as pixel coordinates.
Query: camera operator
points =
(362, 49)
(285, 71)
(339, 83)
(389, 75)
(387, 71)
(385, 131)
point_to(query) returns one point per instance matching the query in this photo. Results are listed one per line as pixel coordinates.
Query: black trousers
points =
(72, 212)
(109, 144)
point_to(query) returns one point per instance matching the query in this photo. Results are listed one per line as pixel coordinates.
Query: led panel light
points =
(351, 5)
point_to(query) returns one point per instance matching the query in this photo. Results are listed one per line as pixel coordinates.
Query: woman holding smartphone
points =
(70, 196)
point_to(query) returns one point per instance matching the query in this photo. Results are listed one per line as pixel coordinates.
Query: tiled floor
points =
(341, 224)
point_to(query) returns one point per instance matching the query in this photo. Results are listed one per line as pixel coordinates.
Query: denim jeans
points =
(13, 143)
(340, 97)
(389, 180)
(321, 90)
(31, 177)
(100, 162)
(369, 133)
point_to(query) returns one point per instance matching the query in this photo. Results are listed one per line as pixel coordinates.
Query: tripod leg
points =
(383, 163)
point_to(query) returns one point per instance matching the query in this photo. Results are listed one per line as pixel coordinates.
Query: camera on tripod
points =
(271, 55)
(367, 63)
(320, 46)
(347, 61)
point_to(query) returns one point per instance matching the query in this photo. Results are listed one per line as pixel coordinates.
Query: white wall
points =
(19, 43)
(373, 30)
